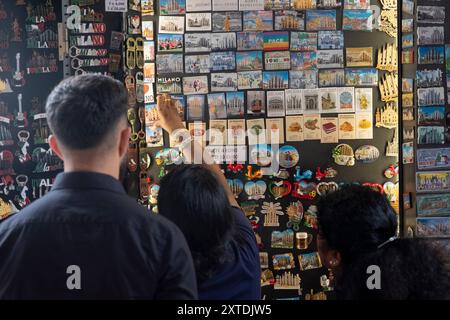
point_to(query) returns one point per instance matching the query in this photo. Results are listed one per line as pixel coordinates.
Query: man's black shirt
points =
(88, 221)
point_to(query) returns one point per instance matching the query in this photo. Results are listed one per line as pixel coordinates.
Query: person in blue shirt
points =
(196, 197)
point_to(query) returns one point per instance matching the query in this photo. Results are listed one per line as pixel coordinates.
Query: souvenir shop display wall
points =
(426, 117)
(320, 71)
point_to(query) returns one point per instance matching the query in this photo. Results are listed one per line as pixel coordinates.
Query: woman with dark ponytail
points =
(357, 242)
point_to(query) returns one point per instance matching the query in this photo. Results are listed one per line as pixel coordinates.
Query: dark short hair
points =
(83, 110)
(192, 197)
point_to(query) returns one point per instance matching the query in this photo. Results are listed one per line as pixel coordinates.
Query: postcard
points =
(407, 25)
(317, 20)
(312, 127)
(149, 93)
(235, 104)
(328, 102)
(345, 99)
(361, 77)
(169, 63)
(277, 60)
(347, 123)
(258, 21)
(223, 41)
(438, 158)
(217, 132)
(408, 114)
(306, 79)
(256, 131)
(408, 152)
(276, 40)
(236, 132)
(147, 30)
(249, 5)
(431, 116)
(149, 51)
(433, 205)
(430, 135)
(282, 239)
(293, 98)
(170, 43)
(429, 78)
(433, 181)
(430, 35)
(294, 128)
(167, 7)
(250, 80)
(301, 61)
(433, 227)
(326, 4)
(250, 41)
(311, 101)
(149, 72)
(223, 61)
(431, 96)
(198, 132)
(431, 14)
(256, 103)
(171, 24)
(223, 82)
(198, 22)
(180, 104)
(303, 41)
(197, 63)
(275, 129)
(408, 7)
(154, 136)
(357, 20)
(407, 85)
(331, 77)
(195, 85)
(289, 20)
(169, 85)
(249, 60)
(275, 104)
(431, 55)
(359, 57)
(329, 132)
(227, 21)
(364, 125)
(363, 99)
(408, 133)
(198, 5)
(195, 107)
(217, 106)
(328, 59)
(356, 4)
(331, 40)
(275, 80)
(283, 261)
(197, 42)
(276, 5)
(407, 41)
(225, 5)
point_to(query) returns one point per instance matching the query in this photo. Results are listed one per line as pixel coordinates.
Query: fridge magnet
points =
(300, 175)
(359, 57)
(235, 104)
(288, 280)
(279, 5)
(271, 212)
(275, 80)
(408, 133)
(275, 103)
(282, 239)
(303, 4)
(170, 43)
(328, 59)
(431, 116)
(311, 101)
(433, 181)
(330, 40)
(197, 63)
(324, 188)
(388, 22)
(429, 78)
(256, 131)
(249, 61)
(223, 61)
(391, 171)
(267, 277)
(236, 132)
(386, 116)
(258, 21)
(331, 78)
(264, 260)
(223, 82)
(304, 41)
(392, 146)
(198, 5)
(306, 79)
(217, 106)
(388, 87)
(149, 52)
(303, 61)
(195, 85)
(198, 22)
(328, 100)
(248, 5)
(256, 102)
(310, 217)
(367, 154)
(147, 8)
(361, 77)
(407, 56)
(329, 132)
(329, 173)
(274, 130)
(236, 186)
(309, 261)
(171, 24)
(408, 114)
(169, 63)
(154, 136)
(408, 7)
(327, 4)
(277, 60)
(318, 20)
(431, 54)
(343, 155)
(431, 14)
(356, 4)
(294, 128)
(407, 25)
(408, 41)
(227, 5)
(167, 7)
(255, 190)
(195, 107)
(311, 127)
(250, 80)
(217, 132)
(347, 125)
(227, 22)
(197, 42)
(288, 156)
(295, 215)
(357, 20)
(289, 20)
(407, 100)
(197, 131)
(431, 96)
(276, 40)
(447, 61)
(168, 85)
(433, 205)
(433, 158)
(433, 227)
(250, 41)
(280, 189)
(345, 99)
(431, 35)
(283, 261)
(408, 85)
(293, 99)
(223, 41)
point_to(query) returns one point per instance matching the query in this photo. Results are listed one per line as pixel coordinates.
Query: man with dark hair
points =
(86, 239)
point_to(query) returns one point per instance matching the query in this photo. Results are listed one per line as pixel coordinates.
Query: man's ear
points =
(123, 141)
(55, 147)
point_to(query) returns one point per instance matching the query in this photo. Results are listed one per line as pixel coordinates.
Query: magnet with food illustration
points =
(367, 154)
(343, 155)
(288, 156)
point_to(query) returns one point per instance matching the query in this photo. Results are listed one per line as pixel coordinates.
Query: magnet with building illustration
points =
(324, 188)
(280, 189)
(255, 189)
(295, 215)
(387, 116)
(271, 212)
(367, 154)
(236, 186)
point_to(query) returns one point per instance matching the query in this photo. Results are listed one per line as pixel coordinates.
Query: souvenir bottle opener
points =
(140, 53)
(132, 119)
(141, 114)
(144, 156)
(23, 144)
(131, 53)
(139, 87)
(131, 88)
